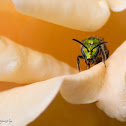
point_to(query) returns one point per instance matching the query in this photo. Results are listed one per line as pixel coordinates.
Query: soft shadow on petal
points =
(117, 5)
(85, 86)
(85, 15)
(23, 105)
(19, 64)
(112, 99)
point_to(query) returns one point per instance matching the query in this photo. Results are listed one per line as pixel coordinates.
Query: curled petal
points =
(112, 99)
(107, 85)
(117, 5)
(85, 15)
(22, 105)
(83, 87)
(23, 65)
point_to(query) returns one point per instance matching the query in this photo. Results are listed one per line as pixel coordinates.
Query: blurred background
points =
(57, 41)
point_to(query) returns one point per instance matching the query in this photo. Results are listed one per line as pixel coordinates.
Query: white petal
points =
(83, 87)
(22, 65)
(117, 5)
(112, 99)
(24, 104)
(85, 15)
(107, 85)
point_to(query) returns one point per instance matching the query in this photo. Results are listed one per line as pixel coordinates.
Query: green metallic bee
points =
(94, 50)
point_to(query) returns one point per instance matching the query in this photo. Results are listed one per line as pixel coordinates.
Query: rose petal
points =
(85, 15)
(22, 65)
(112, 99)
(24, 104)
(83, 87)
(117, 5)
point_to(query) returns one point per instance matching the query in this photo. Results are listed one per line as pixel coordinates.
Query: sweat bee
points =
(93, 51)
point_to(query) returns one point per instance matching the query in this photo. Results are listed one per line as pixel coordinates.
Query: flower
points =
(106, 85)
(24, 104)
(103, 84)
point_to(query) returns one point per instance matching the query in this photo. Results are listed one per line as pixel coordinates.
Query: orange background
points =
(57, 41)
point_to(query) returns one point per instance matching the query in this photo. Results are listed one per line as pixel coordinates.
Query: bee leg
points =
(107, 53)
(93, 61)
(85, 61)
(88, 66)
(104, 56)
(78, 62)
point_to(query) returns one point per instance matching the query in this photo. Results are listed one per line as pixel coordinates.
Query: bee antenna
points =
(81, 43)
(99, 44)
